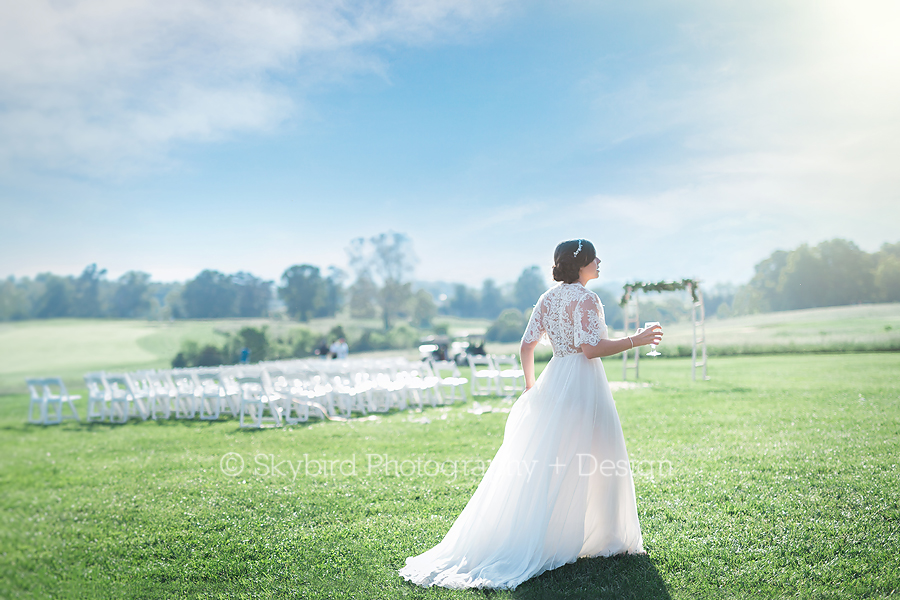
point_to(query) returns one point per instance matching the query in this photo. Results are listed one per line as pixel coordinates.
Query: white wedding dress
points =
(560, 486)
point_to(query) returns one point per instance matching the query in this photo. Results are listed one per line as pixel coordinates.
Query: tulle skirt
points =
(559, 488)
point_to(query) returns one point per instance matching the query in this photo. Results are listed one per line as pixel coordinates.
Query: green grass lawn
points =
(864, 327)
(69, 348)
(777, 478)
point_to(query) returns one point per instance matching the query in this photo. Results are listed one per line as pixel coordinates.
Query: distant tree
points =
(210, 295)
(423, 309)
(303, 343)
(393, 298)
(132, 296)
(363, 294)
(887, 278)
(508, 327)
(209, 356)
(465, 302)
(492, 300)
(302, 291)
(14, 303)
(333, 293)
(86, 296)
(390, 257)
(851, 272)
(256, 342)
(529, 288)
(612, 312)
(56, 297)
(253, 294)
(337, 332)
(833, 273)
(163, 297)
(180, 361)
(802, 282)
(760, 294)
(892, 249)
(173, 303)
(718, 299)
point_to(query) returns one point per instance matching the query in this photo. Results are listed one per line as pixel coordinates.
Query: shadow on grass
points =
(622, 576)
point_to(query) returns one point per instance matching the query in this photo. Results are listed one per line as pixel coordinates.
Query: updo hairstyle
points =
(566, 264)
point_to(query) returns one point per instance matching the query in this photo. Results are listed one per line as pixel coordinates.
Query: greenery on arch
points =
(661, 286)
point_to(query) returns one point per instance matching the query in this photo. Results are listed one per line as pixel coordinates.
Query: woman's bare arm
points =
(610, 347)
(526, 355)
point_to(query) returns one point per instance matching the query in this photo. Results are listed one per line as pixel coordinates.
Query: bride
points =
(560, 486)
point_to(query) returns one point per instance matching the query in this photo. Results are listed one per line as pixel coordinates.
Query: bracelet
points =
(632, 342)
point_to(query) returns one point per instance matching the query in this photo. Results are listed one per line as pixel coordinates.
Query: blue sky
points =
(685, 139)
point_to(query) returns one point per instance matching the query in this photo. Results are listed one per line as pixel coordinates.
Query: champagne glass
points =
(651, 325)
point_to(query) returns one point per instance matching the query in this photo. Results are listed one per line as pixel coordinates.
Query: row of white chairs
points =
(275, 392)
(498, 374)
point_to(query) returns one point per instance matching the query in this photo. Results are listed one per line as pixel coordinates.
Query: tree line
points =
(833, 273)
(381, 289)
(210, 294)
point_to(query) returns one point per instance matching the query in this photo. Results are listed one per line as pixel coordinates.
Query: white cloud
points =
(780, 124)
(98, 86)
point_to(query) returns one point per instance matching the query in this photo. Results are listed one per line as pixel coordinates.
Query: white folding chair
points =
(454, 383)
(510, 376)
(208, 392)
(256, 399)
(46, 394)
(123, 398)
(186, 393)
(319, 390)
(349, 397)
(383, 392)
(163, 395)
(97, 396)
(141, 390)
(484, 381)
(303, 395)
(420, 383)
(231, 389)
(292, 403)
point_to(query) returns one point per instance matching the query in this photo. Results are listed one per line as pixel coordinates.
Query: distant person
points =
(245, 355)
(322, 349)
(340, 350)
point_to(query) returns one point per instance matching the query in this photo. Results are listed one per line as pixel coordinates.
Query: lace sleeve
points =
(535, 330)
(590, 323)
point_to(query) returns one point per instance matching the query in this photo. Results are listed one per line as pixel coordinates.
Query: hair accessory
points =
(579, 248)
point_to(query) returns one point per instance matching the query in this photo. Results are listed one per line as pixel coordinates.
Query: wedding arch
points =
(632, 320)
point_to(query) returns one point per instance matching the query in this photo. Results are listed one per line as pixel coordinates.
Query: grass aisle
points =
(778, 478)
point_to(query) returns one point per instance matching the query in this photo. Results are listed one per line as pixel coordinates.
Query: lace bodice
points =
(569, 315)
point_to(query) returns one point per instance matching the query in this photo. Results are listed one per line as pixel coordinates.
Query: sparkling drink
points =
(651, 325)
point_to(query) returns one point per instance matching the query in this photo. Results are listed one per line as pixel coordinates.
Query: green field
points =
(777, 478)
(861, 328)
(69, 348)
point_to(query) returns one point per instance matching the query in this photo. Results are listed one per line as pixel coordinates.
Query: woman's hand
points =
(605, 347)
(645, 337)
